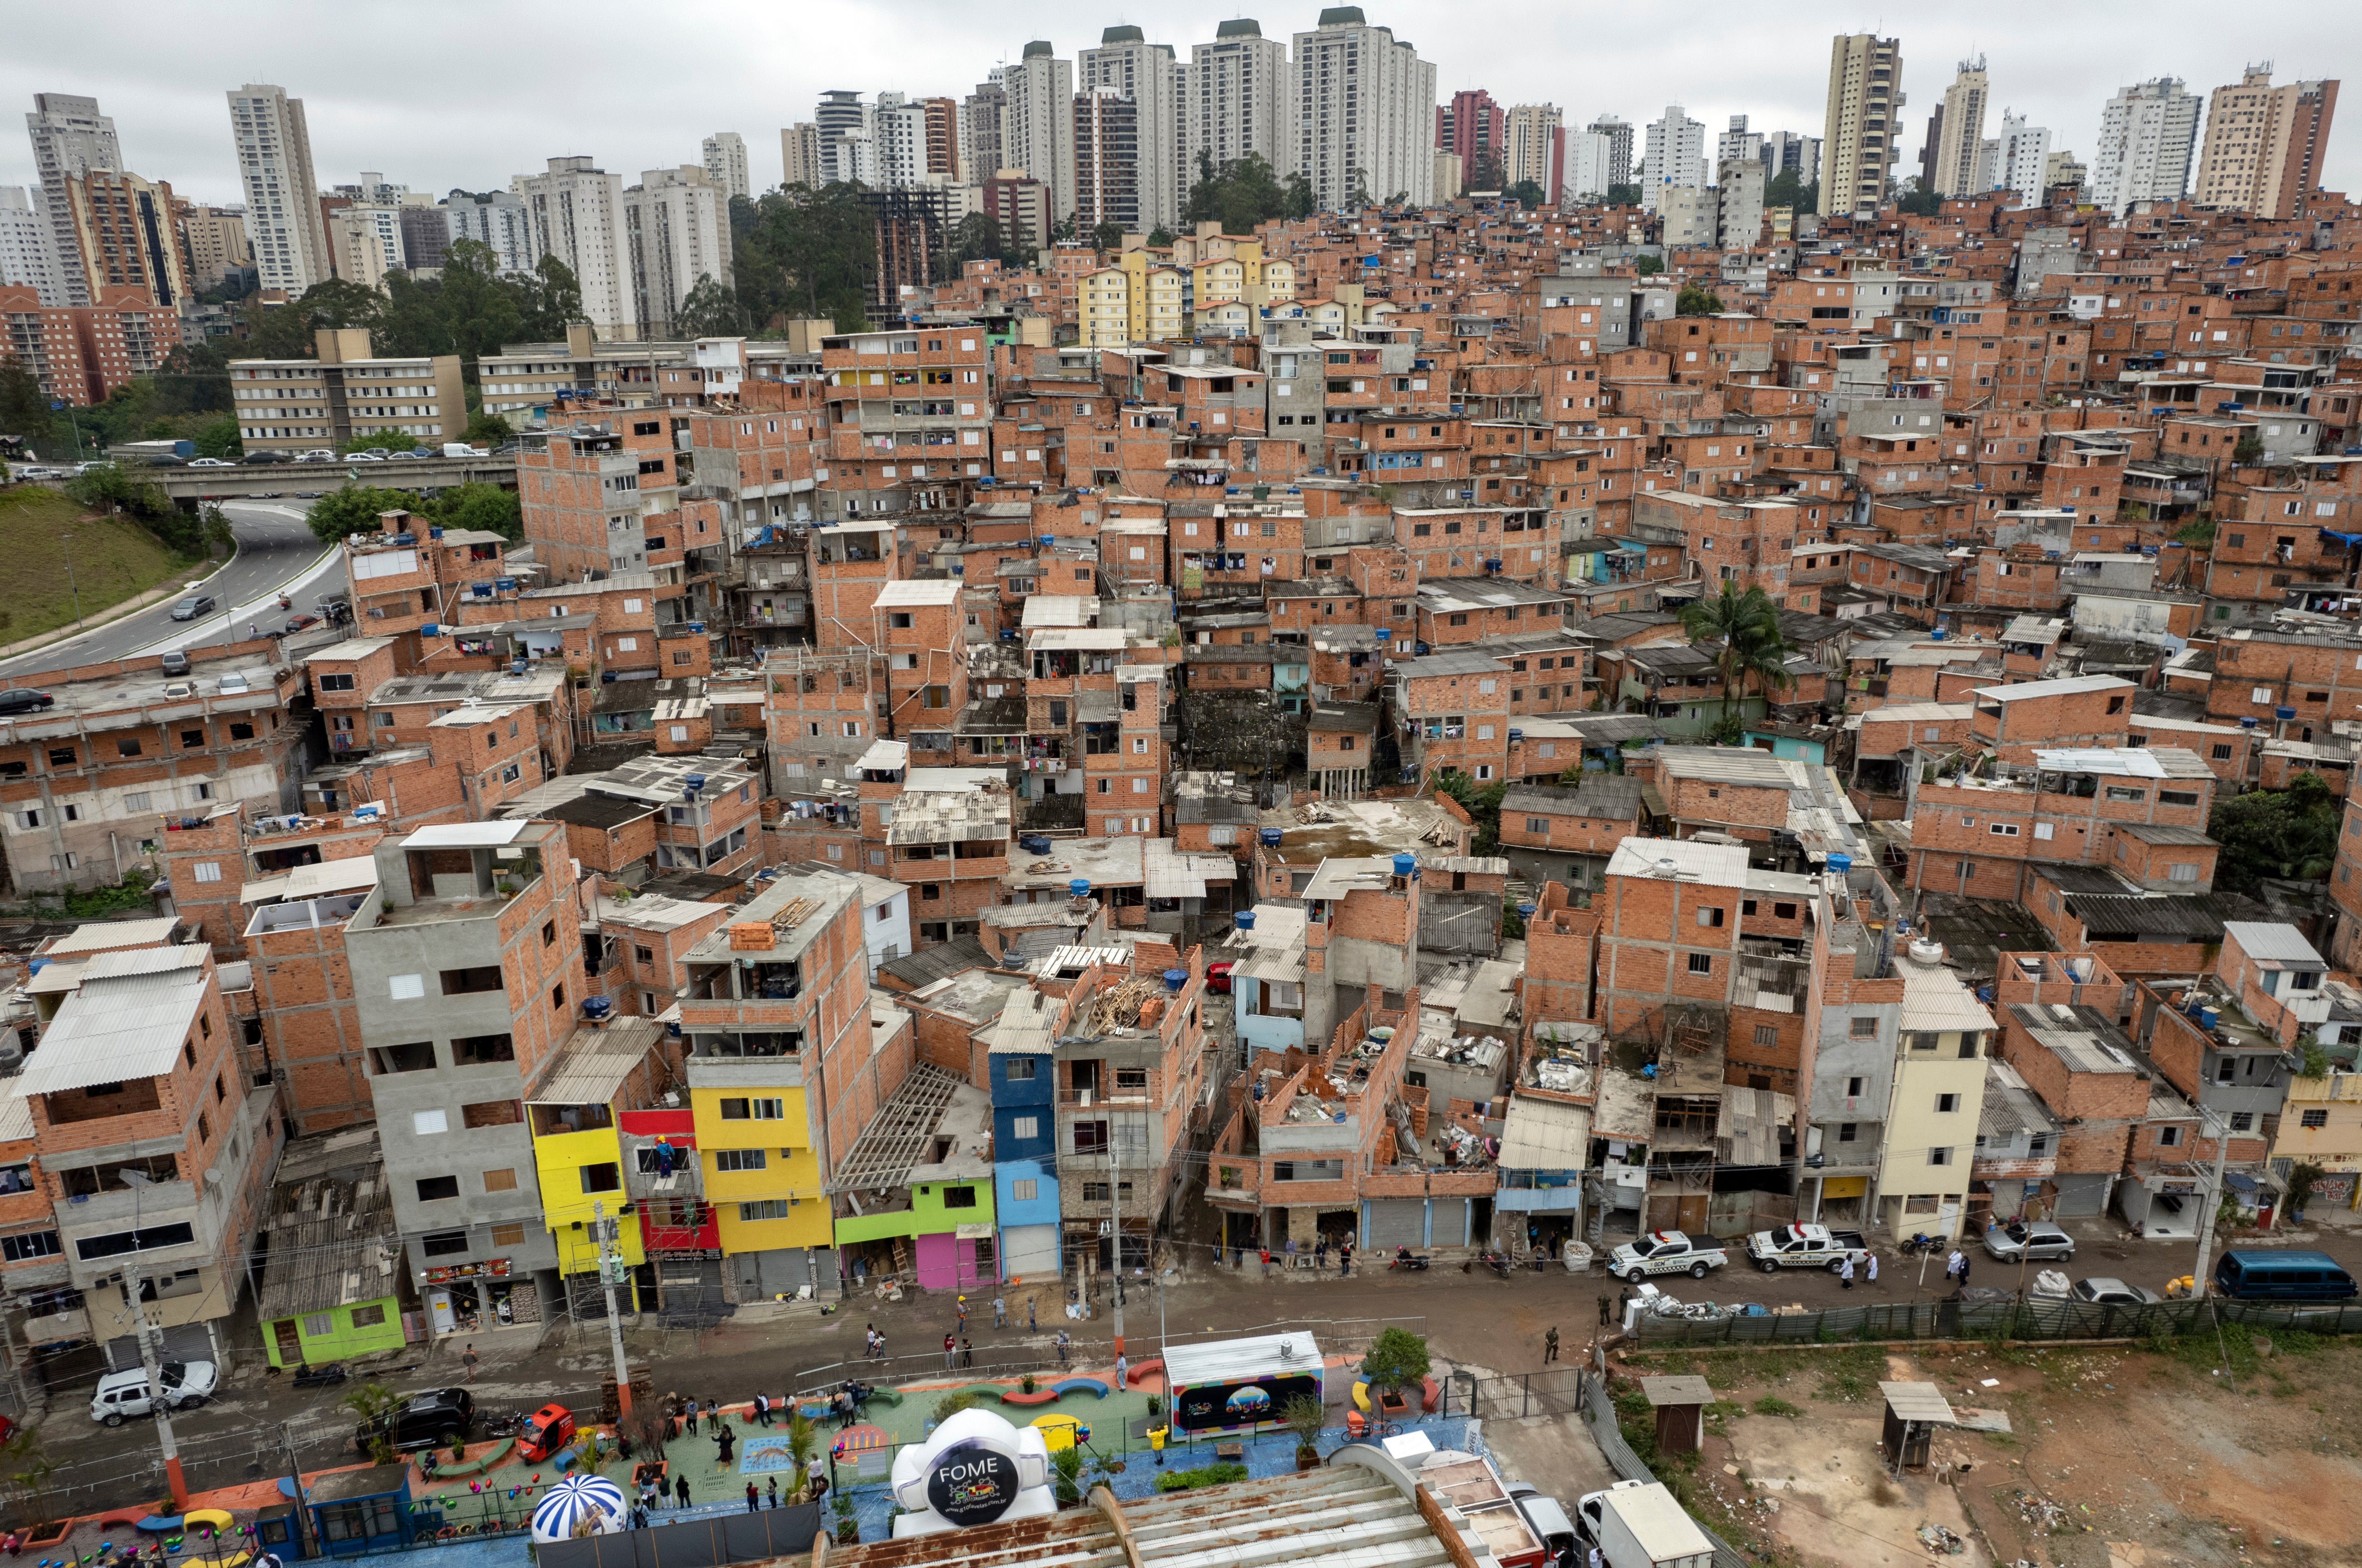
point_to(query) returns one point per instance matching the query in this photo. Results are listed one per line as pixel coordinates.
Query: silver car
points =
(2108, 1292)
(2028, 1239)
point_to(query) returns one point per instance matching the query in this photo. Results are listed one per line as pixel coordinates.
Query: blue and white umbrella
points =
(569, 1502)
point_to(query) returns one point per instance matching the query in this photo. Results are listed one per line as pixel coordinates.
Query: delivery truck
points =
(1639, 1524)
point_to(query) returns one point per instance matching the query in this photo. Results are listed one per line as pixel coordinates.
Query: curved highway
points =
(276, 554)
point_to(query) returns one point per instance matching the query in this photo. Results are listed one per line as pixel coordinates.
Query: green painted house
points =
(933, 1219)
(333, 1285)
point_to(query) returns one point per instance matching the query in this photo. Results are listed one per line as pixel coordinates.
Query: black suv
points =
(427, 1419)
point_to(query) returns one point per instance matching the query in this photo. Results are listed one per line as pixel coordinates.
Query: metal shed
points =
(1913, 1412)
(1680, 1404)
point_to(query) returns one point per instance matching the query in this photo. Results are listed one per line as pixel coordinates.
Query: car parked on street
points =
(2108, 1292)
(210, 463)
(122, 1394)
(2015, 1239)
(174, 662)
(1665, 1252)
(431, 1419)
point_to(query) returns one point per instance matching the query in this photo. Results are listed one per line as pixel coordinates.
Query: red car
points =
(1217, 977)
(547, 1431)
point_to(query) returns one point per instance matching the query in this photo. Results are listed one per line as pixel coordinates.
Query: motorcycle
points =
(1404, 1258)
(285, 603)
(505, 1426)
(1922, 1242)
(1498, 1264)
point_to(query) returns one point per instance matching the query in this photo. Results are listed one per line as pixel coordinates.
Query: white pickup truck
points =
(1665, 1252)
(1805, 1246)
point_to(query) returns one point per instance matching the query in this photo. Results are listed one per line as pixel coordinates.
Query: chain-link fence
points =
(2003, 1319)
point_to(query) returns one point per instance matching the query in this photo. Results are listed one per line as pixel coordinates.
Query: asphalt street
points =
(276, 552)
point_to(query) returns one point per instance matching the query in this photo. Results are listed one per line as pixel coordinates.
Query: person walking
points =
(1873, 1267)
(468, 1360)
(761, 1410)
(951, 1350)
(1063, 1343)
(1000, 1313)
(754, 1499)
(1954, 1265)
(772, 1490)
(1122, 1371)
(816, 1476)
(691, 1411)
(1029, 1316)
(1964, 1271)
(1266, 1254)
(1549, 1345)
(1603, 1310)
(1344, 1260)
(1845, 1272)
(967, 1353)
(962, 1304)
(680, 1489)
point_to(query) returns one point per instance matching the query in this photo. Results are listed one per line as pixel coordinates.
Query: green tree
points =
(1788, 188)
(1744, 626)
(1305, 1416)
(1161, 238)
(1107, 237)
(1624, 196)
(1483, 171)
(1921, 204)
(488, 429)
(219, 438)
(23, 410)
(710, 310)
(374, 1403)
(481, 310)
(1527, 193)
(2289, 834)
(214, 528)
(1397, 1360)
(354, 509)
(194, 379)
(548, 302)
(1649, 266)
(1243, 194)
(1696, 301)
(1481, 802)
(811, 253)
(487, 507)
(391, 440)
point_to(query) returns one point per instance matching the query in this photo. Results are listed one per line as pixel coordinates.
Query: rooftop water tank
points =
(2246, 721)
(1079, 887)
(1405, 864)
(693, 783)
(516, 667)
(1270, 837)
(597, 1007)
(1925, 951)
(2284, 712)
(1245, 918)
(1033, 844)
(1176, 978)
(1938, 634)
(435, 532)
(1525, 911)
(1516, 734)
(1386, 634)
(430, 630)
(1840, 863)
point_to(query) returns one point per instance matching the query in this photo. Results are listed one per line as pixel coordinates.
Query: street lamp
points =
(157, 1403)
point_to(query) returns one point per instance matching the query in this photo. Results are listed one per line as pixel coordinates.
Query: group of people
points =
(815, 1482)
(1320, 1257)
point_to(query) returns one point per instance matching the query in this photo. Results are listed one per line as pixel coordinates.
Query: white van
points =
(122, 1394)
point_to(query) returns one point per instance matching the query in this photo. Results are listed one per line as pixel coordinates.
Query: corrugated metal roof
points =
(101, 934)
(1732, 764)
(1716, 865)
(465, 835)
(1545, 1135)
(2275, 940)
(2068, 686)
(1934, 1000)
(591, 1068)
(1917, 1402)
(2197, 915)
(125, 1022)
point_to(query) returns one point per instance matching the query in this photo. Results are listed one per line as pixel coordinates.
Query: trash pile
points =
(2039, 1511)
(1942, 1543)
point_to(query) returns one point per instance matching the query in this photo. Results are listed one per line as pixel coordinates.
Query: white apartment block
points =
(1589, 166)
(896, 157)
(574, 211)
(1364, 113)
(676, 228)
(1038, 124)
(2019, 161)
(283, 198)
(70, 139)
(2147, 132)
(499, 222)
(1529, 136)
(1737, 142)
(27, 256)
(840, 118)
(1235, 100)
(725, 160)
(1126, 64)
(1673, 153)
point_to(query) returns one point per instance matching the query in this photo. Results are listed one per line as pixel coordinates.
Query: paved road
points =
(275, 551)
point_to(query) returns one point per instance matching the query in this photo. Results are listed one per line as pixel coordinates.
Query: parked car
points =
(175, 662)
(2115, 1293)
(317, 455)
(25, 699)
(1546, 1519)
(1805, 1246)
(210, 463)
(2293, 1275)
(297, 622)
(194, 605)
(429, 1419)
(307, 496)
(258, 459)
(2018, 1239)
(418, 452)
(1217, 977)
(366, 458)
(1665, 1252)
(122, 1394)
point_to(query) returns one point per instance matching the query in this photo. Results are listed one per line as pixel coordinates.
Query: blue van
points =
(2253, 1276)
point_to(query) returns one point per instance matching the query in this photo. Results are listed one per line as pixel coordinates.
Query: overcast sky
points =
(435, 94)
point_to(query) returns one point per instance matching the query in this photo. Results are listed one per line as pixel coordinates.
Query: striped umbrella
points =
(571, 1501)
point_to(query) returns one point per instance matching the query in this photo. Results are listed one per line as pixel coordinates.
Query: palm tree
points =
(1745, 626)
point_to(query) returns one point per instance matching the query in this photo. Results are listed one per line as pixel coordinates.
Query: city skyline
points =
(471, 121)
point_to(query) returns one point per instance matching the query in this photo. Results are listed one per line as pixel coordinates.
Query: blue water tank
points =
(1525, 911)
(1405, 864)
(1516, 734)
(1176, 978)
(435, 532)
(1245, 918)
(597, 1007)
(405, 538)
(1938, 634)
(2207, 1018)
(1386, 634)
(2247, 722)
(1840, 863)
(430, 630)
(517, 666)
(1270, 837)
(35, 966)
(1047, 538)
(1079, 887)
(693, 783)
(1033, 844)
(2284, 712)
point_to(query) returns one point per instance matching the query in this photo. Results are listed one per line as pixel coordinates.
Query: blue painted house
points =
(1025, 1134)
(1267, 958)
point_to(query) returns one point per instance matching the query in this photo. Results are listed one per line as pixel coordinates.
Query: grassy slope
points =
(112, 561)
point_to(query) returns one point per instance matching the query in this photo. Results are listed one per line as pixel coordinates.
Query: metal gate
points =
(1397, 1222)
(182, 1342)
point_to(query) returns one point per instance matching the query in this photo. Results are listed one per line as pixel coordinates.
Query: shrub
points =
(1221, 1473)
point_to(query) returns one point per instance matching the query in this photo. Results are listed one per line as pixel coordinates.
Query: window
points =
(764, 1209)
(959, 1197)
(2169, 1137)
(433, 1189)
(502, 1180)
(1947, 1103)
(1023, 1191)
(492, 1114)
(738, 1159)
(2242, 1121)
(1865, 1028)
(1849, 1132)
(2313, 1119)
(1020, 1068)
(1025, 1127)
(24, 1249)
(754, 1109)
(1854, 1088)
(1767, 1035)
(605, 1175)
(444, 1244)
(426, 1122)
(1939, 1156)
(1709, 916)
(511, 1234)
(1701, 963)
(368, 1317)
(464, 982)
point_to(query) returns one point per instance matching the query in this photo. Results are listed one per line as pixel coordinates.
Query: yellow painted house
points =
(754, 1142)
(1939, 1089)
(579, 1157)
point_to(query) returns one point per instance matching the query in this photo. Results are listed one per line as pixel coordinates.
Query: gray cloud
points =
(440, 92)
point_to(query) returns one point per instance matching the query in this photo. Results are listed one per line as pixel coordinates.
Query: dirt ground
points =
(2113, 1457)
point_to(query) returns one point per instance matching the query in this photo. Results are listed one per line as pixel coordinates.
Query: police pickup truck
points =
(1665, 1252)
(1805, 1246)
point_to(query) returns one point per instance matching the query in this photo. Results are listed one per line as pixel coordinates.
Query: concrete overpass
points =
(188, 487)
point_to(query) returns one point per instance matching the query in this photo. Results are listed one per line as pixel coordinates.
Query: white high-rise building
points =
(2020, 158)
(1621, 166)
(982, 126)
(28, 253)
(1126, 64)
(896, 159)
(1364, 113)
(1530, 136)
(725, 160)
(2147, 132)
(677, 231)
(575, 212)
(1961, 134)
(1673, 153)
(1738, 204)
(1858, 141)
(498, 222)
(70, 137)
(1038, 122)
(841, 117)
(1236, 100)
(1737, 142)
(1589, 166)
(283, 198)
(381, 219)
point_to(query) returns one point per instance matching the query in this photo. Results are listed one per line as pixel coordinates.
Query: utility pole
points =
(296, 1479)
(2221, 1127)
(1115, 1229)
(611, 1268)
(149, 1360)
